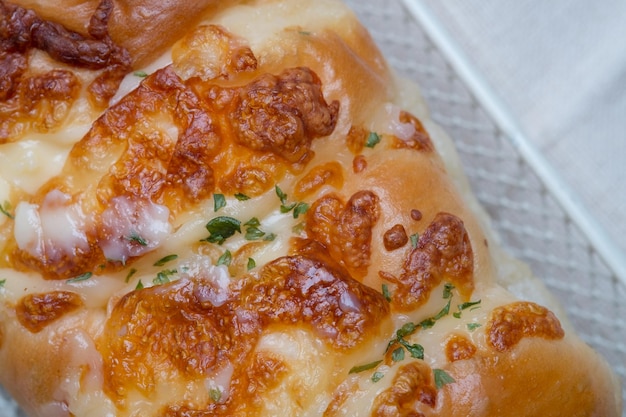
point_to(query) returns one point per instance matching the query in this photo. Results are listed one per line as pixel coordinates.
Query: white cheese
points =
(54, 230)
(135, 228)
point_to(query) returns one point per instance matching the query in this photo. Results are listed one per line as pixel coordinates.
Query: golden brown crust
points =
(143, 28)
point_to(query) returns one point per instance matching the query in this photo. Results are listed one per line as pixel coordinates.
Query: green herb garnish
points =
(415, 237)
(281, 195)
(416, 351)
(4, 209)
(377, 376)
(373, 139)
(398, 354)
(473, 326)
(251, 264)
(132, 272)
(139, 285)
(465, 306)
(253, 232)
(442, 378)
(165, 260)
(79, 278)
(241, 197)
(447, 290)
(386, 293)
(366, 367)
(163, 277)
(219, 201)
(2, 282)
(225, 259)
(140, 74)
(221, 228)
(134, 237)
(300, 209)
(215, 394)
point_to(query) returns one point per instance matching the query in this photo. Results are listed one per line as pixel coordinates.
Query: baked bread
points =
(236, 208)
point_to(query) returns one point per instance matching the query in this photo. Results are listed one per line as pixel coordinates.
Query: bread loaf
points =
(237, 209)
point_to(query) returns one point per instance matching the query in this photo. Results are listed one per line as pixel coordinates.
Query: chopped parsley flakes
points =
(473, 326)
(471, 305)
(299, 208)
(5, 208)
(253, 232)
(241, 197)
(221, 228)
(361, 368)
(215, 394)
(132, 272)
(442, 378)
(79, 278)
(219, 201)
(386, 293)
(134, 237)
(225, 259)
(373, 139)
(251, 264)
(163, 277)
(165, 260)
(377, 376)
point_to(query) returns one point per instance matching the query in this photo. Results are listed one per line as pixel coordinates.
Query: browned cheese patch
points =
(420, 140)
(283, 114)
(459, 347)
(395, 238)
(175, 332)
(413, 383)
(509, 324)
(40, 102)
(443, 252)
(345, 229)
(37, 311)
(327, 174)
(211, 52)
(174, 143)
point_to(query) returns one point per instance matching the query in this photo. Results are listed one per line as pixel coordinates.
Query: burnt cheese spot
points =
(459, 347)
(359, 164)
(345, 229)
(420, 140)
(211, 52)
(511, 323)
(395, 237)
(175, 332)
(25, 30)
(283, 114)
(416, 215)
(356, 139)
(37, 311)
(35, 103)
(443, 252)
(412, 383)
(310, 291)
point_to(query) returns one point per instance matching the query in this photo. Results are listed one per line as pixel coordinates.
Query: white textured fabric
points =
(560, 66)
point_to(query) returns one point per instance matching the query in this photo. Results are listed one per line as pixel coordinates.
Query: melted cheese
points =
(129, 220)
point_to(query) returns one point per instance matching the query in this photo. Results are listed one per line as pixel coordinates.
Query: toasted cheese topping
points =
(36, 311)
